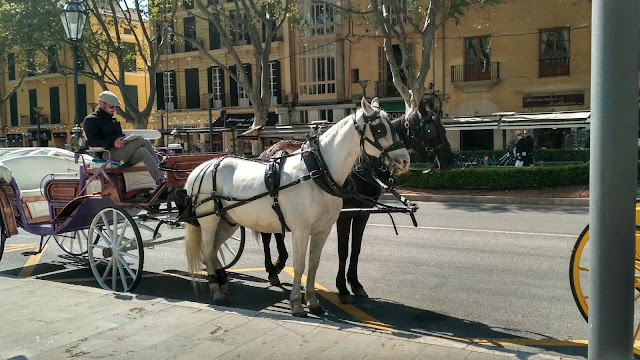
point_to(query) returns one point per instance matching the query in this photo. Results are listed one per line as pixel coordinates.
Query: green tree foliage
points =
(28, 28)
(258, 25)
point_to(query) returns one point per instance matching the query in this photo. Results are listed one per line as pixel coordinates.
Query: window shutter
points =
(247, 70)
(233, 87)
(174, 89)
(210, 84)
(13, 109)
(276, 80)
(214, 37)
(222, 93)
(159, 91)
(54, 104)
(33, 102)
(193, 88)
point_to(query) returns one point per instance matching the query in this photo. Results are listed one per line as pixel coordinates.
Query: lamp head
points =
(73, 17)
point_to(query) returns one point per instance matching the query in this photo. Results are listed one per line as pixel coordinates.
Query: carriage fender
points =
(8, 219)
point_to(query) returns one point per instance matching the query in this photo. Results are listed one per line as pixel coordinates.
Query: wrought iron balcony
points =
(553, 67)
(475, 72)
(475, 77)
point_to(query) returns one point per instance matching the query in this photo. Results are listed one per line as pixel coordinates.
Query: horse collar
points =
(319, 172)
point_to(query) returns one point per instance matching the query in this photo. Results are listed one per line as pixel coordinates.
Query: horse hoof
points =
(300, 314)
(274, 280)
(316, 310)
(360, 293)
(220, 300)
(346, 299)
(225, 287)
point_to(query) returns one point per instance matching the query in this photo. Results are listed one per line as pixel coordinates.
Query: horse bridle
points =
(425, 134)
(378, 131)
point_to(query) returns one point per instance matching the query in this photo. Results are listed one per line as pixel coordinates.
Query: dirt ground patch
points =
(570, 191)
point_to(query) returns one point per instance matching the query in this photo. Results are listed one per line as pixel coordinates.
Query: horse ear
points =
(375, 102)
(366, 107)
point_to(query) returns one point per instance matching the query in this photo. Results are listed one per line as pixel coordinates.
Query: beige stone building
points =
(522, 64)
(47, 88)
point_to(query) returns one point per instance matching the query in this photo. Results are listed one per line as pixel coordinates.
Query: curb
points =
(491, 199)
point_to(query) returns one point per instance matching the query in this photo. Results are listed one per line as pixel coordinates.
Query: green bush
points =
(498, 178)
(552, 155)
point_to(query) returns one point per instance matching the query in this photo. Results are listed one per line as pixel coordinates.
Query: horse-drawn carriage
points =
(93, 207)
(98, 208)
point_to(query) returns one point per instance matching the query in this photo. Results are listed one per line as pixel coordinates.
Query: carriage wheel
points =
(116, 257)
(74, 242)
(579, 277)
(230, 251)
(3, 239)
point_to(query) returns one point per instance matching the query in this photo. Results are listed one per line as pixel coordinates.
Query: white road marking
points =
(474, 230)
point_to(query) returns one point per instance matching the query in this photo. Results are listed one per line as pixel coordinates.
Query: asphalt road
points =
(473, 272)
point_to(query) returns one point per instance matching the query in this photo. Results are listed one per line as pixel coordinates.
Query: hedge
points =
(499, 177)
(539, 154)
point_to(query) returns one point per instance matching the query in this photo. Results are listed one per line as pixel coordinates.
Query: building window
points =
(554, 52)
(243, 96)
(303, 117)
(192, 88)
(166, 90)
(317, 67)
(52, 57)
(187, 4)
(355, 75)
(216, 86)
(129, 57)
(326, 114)
(274, 82)
(80, 62)
(11, 64)
(321, 20)
(239, 32)
(189, 33)
(477, 58)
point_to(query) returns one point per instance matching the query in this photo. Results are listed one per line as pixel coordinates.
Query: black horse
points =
(422, 131)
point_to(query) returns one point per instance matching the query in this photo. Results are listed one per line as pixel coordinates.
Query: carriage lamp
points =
(73, 17)
(78, 142)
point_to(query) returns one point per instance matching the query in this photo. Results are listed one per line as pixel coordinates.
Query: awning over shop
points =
(243, 121)
(565, 119)
(471, 122)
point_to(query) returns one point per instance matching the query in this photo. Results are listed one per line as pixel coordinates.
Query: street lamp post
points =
(73, 17)
(209, 97)
(164, 136)
(37, 110)
(364, 84)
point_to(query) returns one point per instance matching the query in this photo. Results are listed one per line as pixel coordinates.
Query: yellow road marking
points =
(18, 247)
(31, 263)
(360, 315)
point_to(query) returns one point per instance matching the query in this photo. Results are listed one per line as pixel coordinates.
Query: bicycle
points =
(579, 277)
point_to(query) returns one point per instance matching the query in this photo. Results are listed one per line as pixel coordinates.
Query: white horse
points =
(308, 211)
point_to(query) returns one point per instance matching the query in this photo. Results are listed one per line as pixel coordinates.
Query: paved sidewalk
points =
(48, 320)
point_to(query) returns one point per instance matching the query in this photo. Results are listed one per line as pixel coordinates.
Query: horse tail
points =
(193, 244)
(258, 236)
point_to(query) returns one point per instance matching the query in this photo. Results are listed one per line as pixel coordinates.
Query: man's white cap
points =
(109, 98)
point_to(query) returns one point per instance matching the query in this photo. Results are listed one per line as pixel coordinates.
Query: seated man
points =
(103, 130)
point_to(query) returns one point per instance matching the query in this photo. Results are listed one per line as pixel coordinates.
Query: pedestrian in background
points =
(521, 149)
(528, 157)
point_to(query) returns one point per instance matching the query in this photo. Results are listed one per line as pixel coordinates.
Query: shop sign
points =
(552, 100)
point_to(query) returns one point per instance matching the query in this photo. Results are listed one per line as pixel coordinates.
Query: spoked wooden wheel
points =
(3, 239)
(579, 278)
(73, 242)
(116, 257)
(230, 251)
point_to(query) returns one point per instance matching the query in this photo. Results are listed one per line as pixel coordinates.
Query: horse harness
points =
(313, 160)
